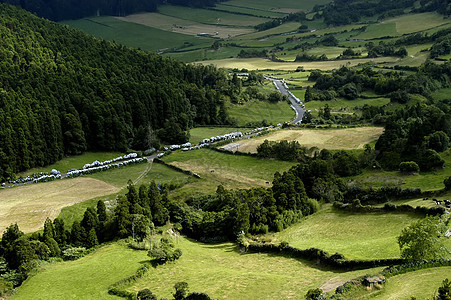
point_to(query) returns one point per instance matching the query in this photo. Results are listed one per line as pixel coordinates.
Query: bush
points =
(409, 167)
(73, 253)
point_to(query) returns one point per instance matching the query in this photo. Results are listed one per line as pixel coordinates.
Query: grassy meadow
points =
(135, 35)
(221, 271)
(199, 133)
(229, 170)
(86, 278)
(336, 139)
(356, 236)
(30, 205)
(257, 111)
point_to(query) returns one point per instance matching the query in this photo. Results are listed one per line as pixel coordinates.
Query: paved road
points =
(297, 107)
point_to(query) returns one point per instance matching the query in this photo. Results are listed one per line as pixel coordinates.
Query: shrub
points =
(73, 253)
(409, 167)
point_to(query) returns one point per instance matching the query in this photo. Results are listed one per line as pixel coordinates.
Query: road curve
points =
(281, 87)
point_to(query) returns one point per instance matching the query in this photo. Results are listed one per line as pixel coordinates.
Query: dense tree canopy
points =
(63, 92)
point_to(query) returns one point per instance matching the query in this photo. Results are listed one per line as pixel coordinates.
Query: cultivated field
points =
(30, 205)
(229, 170)
(356, 236)
(86, 278)
(265, 64)
(222, 272)
(188, 27)
(343, 139)
(135, 35)
(257, 111)
(212, 17)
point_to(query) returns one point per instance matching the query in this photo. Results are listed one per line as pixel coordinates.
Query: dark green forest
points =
(63, 92)
(58, 10)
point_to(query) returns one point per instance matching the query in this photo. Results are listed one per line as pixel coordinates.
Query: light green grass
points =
(342, 105)
(279, 5)
(135, 35)
(417, 22)
(76, 161)
(255, 12)
(377, 31)
(356, 236)
(86, 278)
(265, 64)
(285, 27)
(257, 111)
(200, 133)
(232, 171)
(222, 272)
(442, 94)
(426, 181)
(421, 284)
(119, 177)
(210, 16)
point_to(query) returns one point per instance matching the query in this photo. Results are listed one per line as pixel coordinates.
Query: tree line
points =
(63, 92)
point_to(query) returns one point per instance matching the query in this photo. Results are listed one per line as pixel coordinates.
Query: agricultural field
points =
(211, 17)
(30, 205)
(87, 277)
(188, 27)
(367, 236)
(265, 64)
(426, 181)
(257, 111)
(232, 274)
(136, 35)
(231, 171)
(340, 105)
(285, 6)
(337, 139)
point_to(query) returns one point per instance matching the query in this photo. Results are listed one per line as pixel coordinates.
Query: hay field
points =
(173, 24)
(337, 139)
(265, 64)
(31, 204)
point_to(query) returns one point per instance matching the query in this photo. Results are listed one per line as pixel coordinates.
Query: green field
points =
(135, 35)
(427, 181)
(421, 284)
(86, 278)
(442, 94)
(210, 16)
(229, 170)
(251, 11)
(257, 111)
(282, 5)
(221, 271)
(356, 236)
(341, 105)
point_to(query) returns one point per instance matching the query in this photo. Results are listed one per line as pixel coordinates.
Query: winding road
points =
(296, 106)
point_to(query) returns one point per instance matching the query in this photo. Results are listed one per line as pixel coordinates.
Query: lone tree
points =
(423, 239)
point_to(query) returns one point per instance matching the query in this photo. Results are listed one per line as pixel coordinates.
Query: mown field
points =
(344, 139)
(135, 35)
(217, 168)
(30, 205)
(356, 236)
(86, 278)
(221, 271)
(257, 111)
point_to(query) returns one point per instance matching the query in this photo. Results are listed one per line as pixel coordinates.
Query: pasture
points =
(211, 17)
(221, 271)
(257, 111)
(336, 139)
(182, 26)
(285, 6)
(135, 35)
(231, 171)
(356, 236)
(432, 180)
(265, 64)
(341, 105)
(86, 278)
(30, 205)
